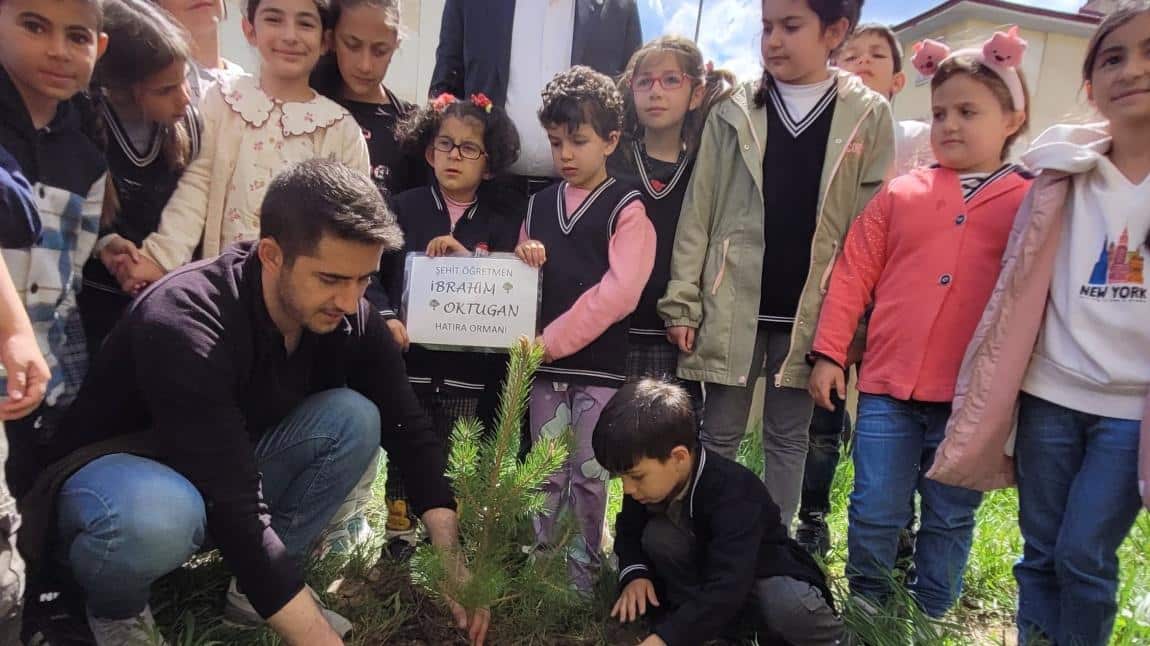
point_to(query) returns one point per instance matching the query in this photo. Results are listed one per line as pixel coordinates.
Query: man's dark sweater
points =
(739, 538)
(199, 365)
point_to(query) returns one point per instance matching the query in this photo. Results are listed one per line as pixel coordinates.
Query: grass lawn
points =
(387, 609)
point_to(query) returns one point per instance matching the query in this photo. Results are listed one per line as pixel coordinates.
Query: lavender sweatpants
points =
(581, 483)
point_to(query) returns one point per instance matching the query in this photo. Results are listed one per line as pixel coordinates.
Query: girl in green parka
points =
(784, 167)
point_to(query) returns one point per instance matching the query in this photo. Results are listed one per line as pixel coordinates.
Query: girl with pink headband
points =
(924, 255)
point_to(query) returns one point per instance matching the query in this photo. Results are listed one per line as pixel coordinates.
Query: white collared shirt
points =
(541, 40)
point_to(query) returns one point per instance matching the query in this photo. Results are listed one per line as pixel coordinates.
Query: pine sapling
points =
(497, 497)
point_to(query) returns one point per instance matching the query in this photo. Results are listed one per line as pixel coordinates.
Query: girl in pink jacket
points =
(923, 255)
(1064, 342)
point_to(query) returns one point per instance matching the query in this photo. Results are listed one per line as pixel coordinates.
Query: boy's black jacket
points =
(739, 538)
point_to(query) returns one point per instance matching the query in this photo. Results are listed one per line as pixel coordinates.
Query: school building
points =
(1052, 64)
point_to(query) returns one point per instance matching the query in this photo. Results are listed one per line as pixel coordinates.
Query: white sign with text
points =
(470, 303)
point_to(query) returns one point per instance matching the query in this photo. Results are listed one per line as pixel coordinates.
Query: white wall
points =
(232, 43)
(410, 73)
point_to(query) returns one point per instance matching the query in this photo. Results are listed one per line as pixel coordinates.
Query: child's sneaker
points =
(133, 631)
(398, 518)
(401, 531)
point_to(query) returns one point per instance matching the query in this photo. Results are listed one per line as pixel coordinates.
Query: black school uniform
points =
(663, 186)
(577, 259)
(736, 537)
(449, 384)
(391, 169)
(144, 182)
(423, 216)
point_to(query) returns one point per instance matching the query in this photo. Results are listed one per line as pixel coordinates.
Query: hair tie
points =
(440, 103)
(481, 101)
(1001, 54)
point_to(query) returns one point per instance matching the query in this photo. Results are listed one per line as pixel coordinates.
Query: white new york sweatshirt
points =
(1093, 353)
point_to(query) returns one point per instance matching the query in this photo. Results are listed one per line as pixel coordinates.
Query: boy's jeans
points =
(894, 447)
(125, 521)
(1078, 498)
(826, 437)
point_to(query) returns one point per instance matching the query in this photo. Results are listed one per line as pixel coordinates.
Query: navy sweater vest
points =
(663, 186)
(577, 259)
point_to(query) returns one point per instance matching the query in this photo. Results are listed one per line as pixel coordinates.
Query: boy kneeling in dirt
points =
(699, 539)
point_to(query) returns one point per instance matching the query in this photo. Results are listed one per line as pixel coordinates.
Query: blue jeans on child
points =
(125, 521)
(1078, 498)
(894, 447)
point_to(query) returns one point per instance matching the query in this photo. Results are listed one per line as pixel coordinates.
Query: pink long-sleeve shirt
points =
(631, 257)
(927, 259)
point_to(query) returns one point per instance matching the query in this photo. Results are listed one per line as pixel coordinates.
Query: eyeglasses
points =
(668, 80)
(467, 150)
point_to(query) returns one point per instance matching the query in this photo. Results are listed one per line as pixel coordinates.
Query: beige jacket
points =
(716, 267)
(233, 110)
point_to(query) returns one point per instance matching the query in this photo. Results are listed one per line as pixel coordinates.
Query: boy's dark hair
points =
(581, 95)
(885, 32)
(500, 138)
(970, 66)
(1126, 11)
(645, 419)
(320, 196)
(326, 15)
(717, 86)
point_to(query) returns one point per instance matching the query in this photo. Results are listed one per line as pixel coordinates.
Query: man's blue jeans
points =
(125, 521)
(894, 447)
(1078, 498)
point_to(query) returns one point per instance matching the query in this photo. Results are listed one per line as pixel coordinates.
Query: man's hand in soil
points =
(443, 529)
(300, 623)
(653, 640)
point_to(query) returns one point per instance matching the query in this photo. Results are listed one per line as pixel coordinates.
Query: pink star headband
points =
(1002, 54)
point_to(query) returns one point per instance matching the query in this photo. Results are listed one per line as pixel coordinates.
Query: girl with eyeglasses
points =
(466, 142)
(667, 91)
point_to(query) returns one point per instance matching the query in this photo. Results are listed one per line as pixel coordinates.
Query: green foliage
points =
(497, 495)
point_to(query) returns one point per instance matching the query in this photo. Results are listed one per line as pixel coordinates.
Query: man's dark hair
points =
(581, 95)
(321, 196)
(645, 419)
